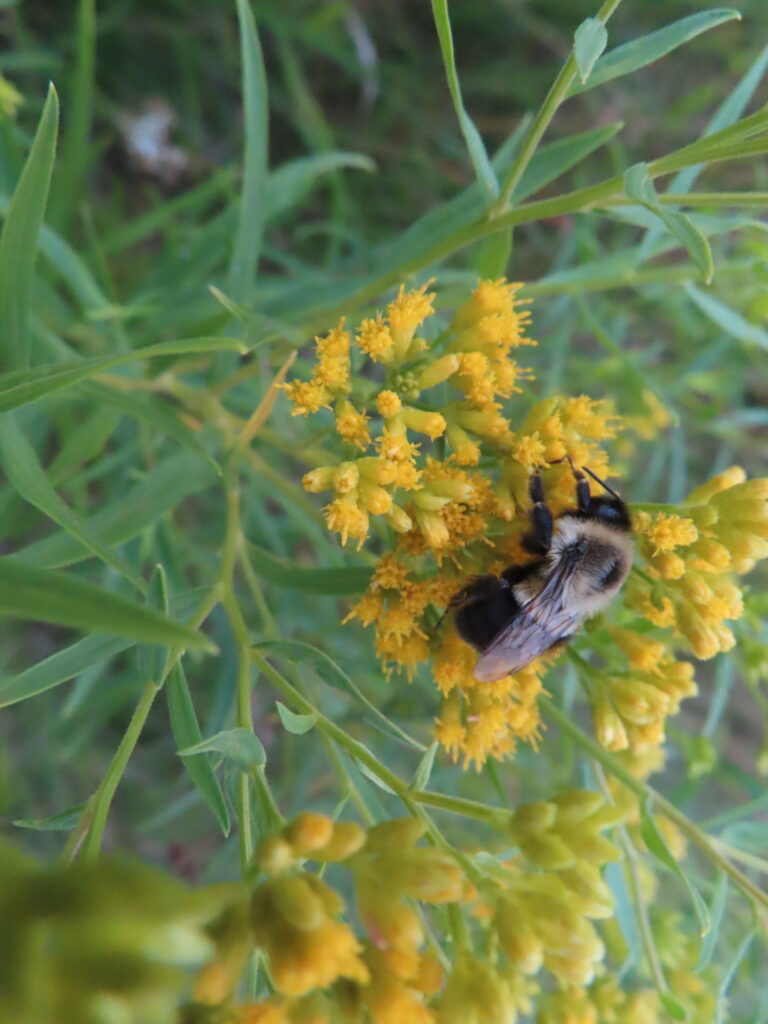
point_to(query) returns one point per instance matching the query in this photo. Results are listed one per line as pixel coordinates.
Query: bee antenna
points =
(602, 483)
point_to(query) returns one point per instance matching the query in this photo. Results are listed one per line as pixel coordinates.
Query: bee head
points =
(610, 511)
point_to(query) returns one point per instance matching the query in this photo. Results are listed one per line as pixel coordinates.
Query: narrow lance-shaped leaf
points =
(18, 243)
(477, 153)
(250, 225)
(637, 53)
(43, 596)
(29, 479)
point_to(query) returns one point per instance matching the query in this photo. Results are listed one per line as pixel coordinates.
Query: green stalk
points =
(102, 799)
(557, 94)
(642, 790)
(457, 805)
(87, 838)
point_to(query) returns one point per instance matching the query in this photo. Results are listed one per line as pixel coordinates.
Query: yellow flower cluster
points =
(535, 911)
(452, 521)
(543, 919)
(722, 529)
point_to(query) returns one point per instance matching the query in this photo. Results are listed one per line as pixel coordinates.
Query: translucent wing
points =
(540, 623)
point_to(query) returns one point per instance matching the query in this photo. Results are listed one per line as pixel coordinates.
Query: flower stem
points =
(557, 94)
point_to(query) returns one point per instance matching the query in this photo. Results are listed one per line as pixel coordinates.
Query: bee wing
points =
(539, 624)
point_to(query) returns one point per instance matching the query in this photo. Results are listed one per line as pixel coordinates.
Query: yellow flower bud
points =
(722, 482)
(274, 855)
(609, 728)
(388, 404)
(574, 805)
(669, 565)
(424, 422)
(320, 479)
(534, 818)
(293, 898)
(438, 371)
(399, 519)
(347, 839)
(307, 832)
(346, 478)
(376, 500)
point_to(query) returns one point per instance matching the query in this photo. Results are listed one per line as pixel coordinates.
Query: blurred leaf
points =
(61, 667)
(655, 843)
(629, 57)
(293, 722)
(373, 777)
(29, 479)
(152, 660)
(287, 185)
(294, 576)
(239, 746)
(330, 673)
(22, 386)
(42, 596)
(728, 975)
(717, 912)
(250, 224)
(165, 485)
(673, 1006)
(186, 733)
(71, 184)
(639, 187)
(589, 41)
(63, 821)
(18, 242)
(477, 152)
(728, 319)
(424, 769)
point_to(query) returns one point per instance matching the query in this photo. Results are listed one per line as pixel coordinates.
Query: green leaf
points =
(639, 187)
(484, 171)
(43, 596)
(673, 1007)
(20, 387)
(655, 843)
(239, 746)
(554, 160)
(28, 478)
(186, 733)
(589, 41)
(71, 176)
(63, 821)
(60, 667)
(424, 769)
(18, 243)
(294, 576)
(293, 722)
(629, 57)
(163, 488)
(152, 659)
(332, 675)
(728, 319)
(717, 912)
(728, 975)
(373, 777)
(250, 223)
(288, 184)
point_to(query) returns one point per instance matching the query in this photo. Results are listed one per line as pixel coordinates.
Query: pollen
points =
(375, 340)
(388, 404)
(671, 531)
(529, 450)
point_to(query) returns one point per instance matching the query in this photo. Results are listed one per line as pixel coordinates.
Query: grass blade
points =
(250, 226)
(186, 733)
(294, 576)
(18, 243)
(44, 596)
(19, 387)
(29, 479)
(728, 319)
(475, 147)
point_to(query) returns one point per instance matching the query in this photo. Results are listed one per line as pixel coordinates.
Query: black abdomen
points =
(485, 607)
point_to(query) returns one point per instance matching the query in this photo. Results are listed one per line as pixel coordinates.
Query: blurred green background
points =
(151, 236)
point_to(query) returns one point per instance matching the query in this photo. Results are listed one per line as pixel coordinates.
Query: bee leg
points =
(539, 539)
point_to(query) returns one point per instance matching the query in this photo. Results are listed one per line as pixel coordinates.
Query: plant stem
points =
(86, 839)
(660, 804)
(552, 101)
(102, 799)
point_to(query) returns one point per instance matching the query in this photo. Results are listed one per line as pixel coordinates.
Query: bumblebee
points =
(582, 559)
